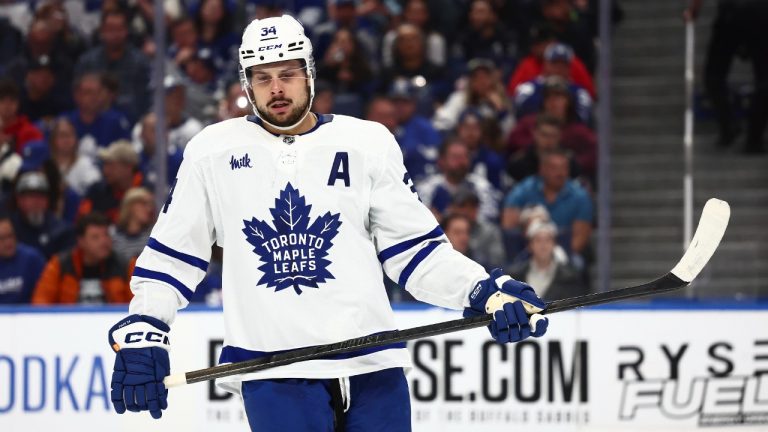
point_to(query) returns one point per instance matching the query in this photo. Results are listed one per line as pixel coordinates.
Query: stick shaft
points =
(665, 283)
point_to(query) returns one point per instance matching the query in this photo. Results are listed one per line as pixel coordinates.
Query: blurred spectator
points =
(343, 14)
(534, 63)
(575, 135)
(571, 28)
(41, 42)
(146, 142)
(208, 291)
(116, 56)
(42, 96)
(322, 103)
(20, 266)
(531, 96)
(120, 171)
(345, 66)
(738, 25)
(416, 12)
(473, 130)
(10, 162)
(181, 127)
(11, 42)
(484, 92)
(487, 37)
(184, 40)
(382, 110)
(15, 128)
(217, 33)
(438, 190)
(546, 137)
(91, 273)
(68, 39)
(485, 238)
(551, 277)
(79, 171)
(568, 204)
(33, 218)
(137, 215)
(200, 83)
(410, 60)
(418, 139)
(63, 200)
(457, 228)
(95, 127)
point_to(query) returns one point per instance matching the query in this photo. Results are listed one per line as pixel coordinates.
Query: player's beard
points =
(295, 116)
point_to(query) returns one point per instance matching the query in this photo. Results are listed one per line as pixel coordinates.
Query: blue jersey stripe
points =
(231, 354)
(181, 256)
(163, 277)
(415, 261)
(407, 244)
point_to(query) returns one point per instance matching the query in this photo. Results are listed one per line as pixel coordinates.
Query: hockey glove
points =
(511, 302)
(142, 345)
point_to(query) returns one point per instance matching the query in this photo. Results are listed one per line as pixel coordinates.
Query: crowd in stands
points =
(491, 102)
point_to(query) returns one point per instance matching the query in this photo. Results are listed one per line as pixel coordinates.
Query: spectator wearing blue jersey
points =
(145, 140)
(478, 134)
(95, 127)
(20, 266)
(569, 205)
(529, 96)
(418, 139)
(439, 190)
(116, 56)
(215, 26)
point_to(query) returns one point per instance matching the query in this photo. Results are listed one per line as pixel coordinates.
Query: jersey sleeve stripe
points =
(407, 244)
(163, 277)
(415, 261)
(181, 256)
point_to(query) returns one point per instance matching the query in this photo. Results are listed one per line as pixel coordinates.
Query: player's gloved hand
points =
(514, 305)
(142, 345)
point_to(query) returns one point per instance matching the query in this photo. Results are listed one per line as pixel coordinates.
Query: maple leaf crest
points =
(293, 251)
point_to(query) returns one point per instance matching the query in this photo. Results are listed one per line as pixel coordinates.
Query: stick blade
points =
(712, 225)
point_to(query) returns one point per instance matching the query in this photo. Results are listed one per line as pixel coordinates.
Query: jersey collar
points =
(321, 120)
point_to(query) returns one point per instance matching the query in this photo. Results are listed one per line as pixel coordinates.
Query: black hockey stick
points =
(714, 220)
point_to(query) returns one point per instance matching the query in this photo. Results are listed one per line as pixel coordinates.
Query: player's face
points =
(281, 92)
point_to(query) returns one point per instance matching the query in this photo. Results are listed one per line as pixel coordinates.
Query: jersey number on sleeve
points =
(408, 182)
(170, 196)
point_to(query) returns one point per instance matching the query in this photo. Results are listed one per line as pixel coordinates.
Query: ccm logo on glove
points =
(149, 337)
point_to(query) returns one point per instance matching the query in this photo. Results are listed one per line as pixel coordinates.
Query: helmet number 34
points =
(266, 31)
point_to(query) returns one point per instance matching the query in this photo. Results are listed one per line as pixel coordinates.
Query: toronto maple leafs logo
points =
(294, 251)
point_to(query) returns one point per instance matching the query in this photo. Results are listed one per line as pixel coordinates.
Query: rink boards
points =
(659, 367)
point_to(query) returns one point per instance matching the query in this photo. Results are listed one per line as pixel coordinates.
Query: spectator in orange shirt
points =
(91, 273)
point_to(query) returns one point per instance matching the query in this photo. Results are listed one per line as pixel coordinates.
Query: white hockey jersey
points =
(306, 222)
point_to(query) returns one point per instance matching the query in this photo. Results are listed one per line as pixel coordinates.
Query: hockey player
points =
(309, 209)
